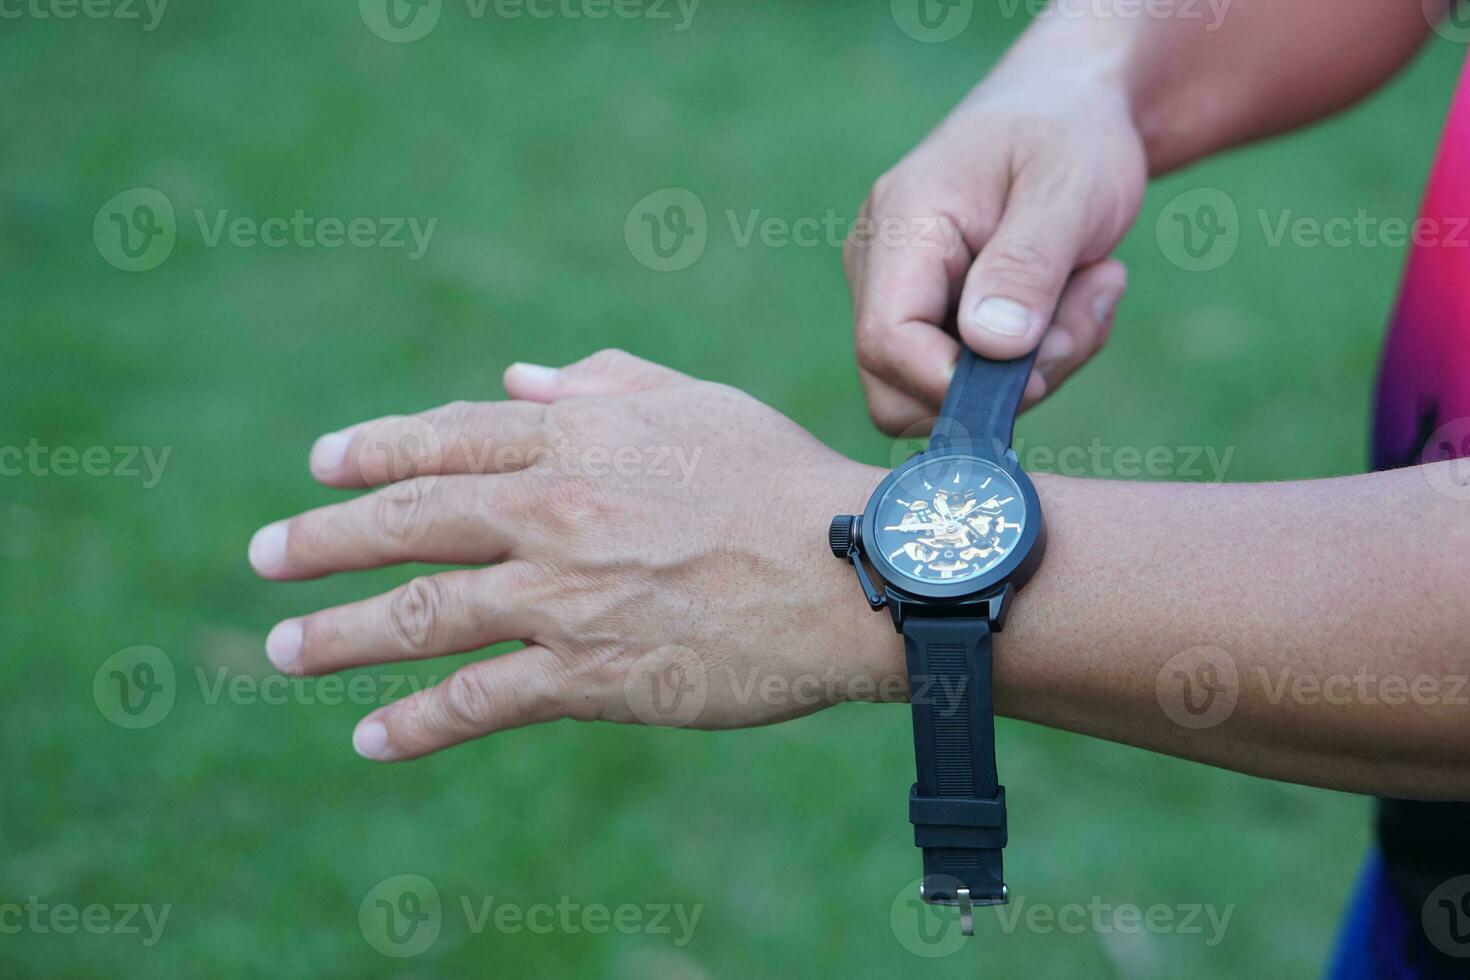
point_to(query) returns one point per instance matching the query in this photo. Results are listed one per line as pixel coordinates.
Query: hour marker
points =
(1005, 501)
(957, 478)
(985, 484)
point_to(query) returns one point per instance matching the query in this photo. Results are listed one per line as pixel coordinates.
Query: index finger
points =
(909, 270)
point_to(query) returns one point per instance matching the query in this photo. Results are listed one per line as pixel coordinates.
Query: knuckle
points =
(565, 424)
(889, 419)
(609, 360)
(399, 516)
(872, 346)
(886, 188)
(455, 415)
(468, 701)
(415, 611)
(1022, 261)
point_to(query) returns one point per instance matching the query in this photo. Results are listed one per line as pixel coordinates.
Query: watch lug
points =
(998, 605)
(992, 608)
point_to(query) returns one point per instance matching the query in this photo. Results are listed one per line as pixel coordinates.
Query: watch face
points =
(950, 519)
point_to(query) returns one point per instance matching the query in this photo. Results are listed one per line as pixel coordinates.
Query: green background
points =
(529, 141)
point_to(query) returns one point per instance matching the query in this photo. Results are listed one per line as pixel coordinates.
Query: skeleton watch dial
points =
(950, 519)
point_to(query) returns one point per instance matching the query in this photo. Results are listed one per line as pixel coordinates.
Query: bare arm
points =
(1332, 606)
(1215, 75)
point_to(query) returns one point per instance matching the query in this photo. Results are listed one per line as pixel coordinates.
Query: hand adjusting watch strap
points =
(958, 806)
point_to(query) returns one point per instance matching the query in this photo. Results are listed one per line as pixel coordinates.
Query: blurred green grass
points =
(529, 141)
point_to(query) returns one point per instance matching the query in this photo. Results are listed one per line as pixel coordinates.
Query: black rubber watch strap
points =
(982, 403)
(958, 805)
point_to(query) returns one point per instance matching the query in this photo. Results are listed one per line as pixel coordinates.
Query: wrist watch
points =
(950, 536)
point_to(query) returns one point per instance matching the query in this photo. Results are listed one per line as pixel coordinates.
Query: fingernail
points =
(268, 548)
(283, 644)
(537, 374)
(1055, 346)
(329, 452)
(1103, 306)
(1002, 316)
(371, 740)
(950, 370)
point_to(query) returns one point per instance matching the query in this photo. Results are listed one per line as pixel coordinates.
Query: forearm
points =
(1215, 75)
(1332, 602)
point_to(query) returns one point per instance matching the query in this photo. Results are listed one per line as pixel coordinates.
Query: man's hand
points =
(1032, 181)
(656, 542)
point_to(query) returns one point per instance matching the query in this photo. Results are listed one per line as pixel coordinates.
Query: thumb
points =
(608, 372)
(1011, 291)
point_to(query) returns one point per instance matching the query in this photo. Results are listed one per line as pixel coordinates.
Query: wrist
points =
(1102, 68)
(860, 645)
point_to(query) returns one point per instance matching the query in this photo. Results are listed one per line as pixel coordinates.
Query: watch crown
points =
(839, 535)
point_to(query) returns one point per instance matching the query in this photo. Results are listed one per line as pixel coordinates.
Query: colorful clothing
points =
(1423, 415)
